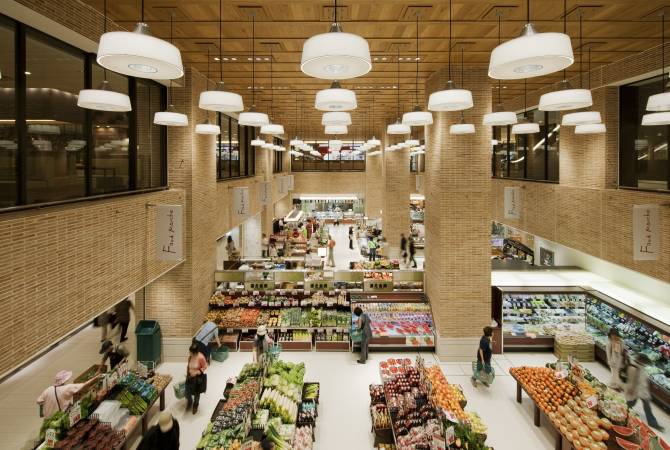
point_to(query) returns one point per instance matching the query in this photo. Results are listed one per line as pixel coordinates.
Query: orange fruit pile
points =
(446, 395)
(545, 389)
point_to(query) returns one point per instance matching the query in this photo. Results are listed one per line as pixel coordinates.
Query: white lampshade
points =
(335, 99)
(531, 55)
(581, 118)
(499, 118)
(207, 128)
(565, 100)
(398, 128)
(221, 101)
(658, 118)
(278, 148)
(273, 129)
(335, 143)
(257, 142)
(526, 128)
(170, 119)
(267, 146)
(591, 128)
(336, 118)
(412, 142)
(417, 118)
(253, 119)
(335, 56)
(462, 128)
(139, 54)
(103, 100)
(659, 102)
(336, 129)
(450, 100)
(374, 142)
(296, 142)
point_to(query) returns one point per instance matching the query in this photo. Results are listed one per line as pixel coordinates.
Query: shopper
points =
(231, 250)
(115, 353)
(363, 325)
(60, 396)
(103, 321)
(162, 436)
(207, 335)
(196, 378)
(351, 238)
(483, 371)
(412, 252)
(331, 251)
(265, 246)
(615, 350)
(122, 311)
(261, 343)
(637, 387)
(273, 250)
(372, 249)
(403, 248)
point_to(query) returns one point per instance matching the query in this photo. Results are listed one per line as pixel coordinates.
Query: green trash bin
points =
(148, 334)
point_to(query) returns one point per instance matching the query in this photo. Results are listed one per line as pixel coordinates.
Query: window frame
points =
(244, 136)
(330, 165)
(21, 32)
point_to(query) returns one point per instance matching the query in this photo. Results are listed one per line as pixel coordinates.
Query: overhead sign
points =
(513, 202)
(266, 192)
(169, 232)
(646, 232)
(241, 201)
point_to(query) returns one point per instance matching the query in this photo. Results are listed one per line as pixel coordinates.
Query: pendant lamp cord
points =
(581, 52)
(207, 75)
(220, 41)
(565, 26)
(104, 30)
(335, 12)
(272, 91)
(462, 63)
(499, 41)
(397, 108)
(170, 85)
(253, 60)
(589, 69)
(416, 92)
(142, 11)
(449, 40)
(662, 51)
(527, 11)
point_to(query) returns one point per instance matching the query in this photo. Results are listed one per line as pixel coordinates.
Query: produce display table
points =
(537, 413)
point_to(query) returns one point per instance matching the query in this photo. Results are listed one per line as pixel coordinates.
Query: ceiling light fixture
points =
(220, 100)
(102, 99)
(398, 127)
(659, 102)
(252, 118)
(139, 54)
(581, 118)
(257, 142)
(566, 98)
(170, 117)
(336, 118)
(593, 128)
(272, 128)
(530, 55)
(462, 127)
(206, 127)
(499, 117)
(525, 126)
(374, 142)
(335, 98)
(417, 117)
(335, 55)
(336, 129)
(450, 99)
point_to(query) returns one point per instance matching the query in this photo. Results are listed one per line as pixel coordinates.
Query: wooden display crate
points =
(564, 347)
(332, 346)
(296, 346)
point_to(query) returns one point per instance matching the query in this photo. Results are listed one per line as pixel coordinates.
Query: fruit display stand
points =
(399, 321)
(582, 411)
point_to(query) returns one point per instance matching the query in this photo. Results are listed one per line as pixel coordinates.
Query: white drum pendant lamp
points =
(170, 118)
(273, 129)
(462, 128)
(374, 142)
(398, 128)
(565, 99)
(658, 118)
(207, 128)
(257, 142)
(499, 118)
(336, 129)
(335, 55)
(526, 128)
(594, 128)
(336, 118)
(252, 118)
(417, 117)
(335, 98)
(102, 99)
(580, 118)
(412, 142)
(530, 55)
(296, 142)
(661, 101)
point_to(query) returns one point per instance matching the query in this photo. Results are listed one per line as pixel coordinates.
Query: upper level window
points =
(8, 137)
(643, 151)
(346, 159)
(236, 156)
(278, 161)
(528, 156)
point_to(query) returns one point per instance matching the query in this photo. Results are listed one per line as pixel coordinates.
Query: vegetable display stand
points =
(331, 346)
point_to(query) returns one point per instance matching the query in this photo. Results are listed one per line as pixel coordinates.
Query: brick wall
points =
(395, 216)
(330, 183)
(458, 221)
(374, 186)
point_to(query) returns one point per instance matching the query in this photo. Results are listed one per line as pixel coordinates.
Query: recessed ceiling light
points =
(225, 59)
(27, 73)
(376, 59)
(249, 59)
(384, 58)
(233, 59)
(267, 59)
(417, 59)
(504, 87)
(216, 58)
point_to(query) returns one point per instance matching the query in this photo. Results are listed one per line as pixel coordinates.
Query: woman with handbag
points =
(482, 370)
(196, 378)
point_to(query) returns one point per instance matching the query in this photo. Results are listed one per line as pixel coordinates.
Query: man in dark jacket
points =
(366, 333)
(123, 317)
(164, 436)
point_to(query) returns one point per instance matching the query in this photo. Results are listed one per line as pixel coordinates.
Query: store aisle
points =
(343, 255)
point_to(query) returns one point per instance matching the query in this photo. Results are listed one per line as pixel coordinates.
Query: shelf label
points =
(281, 292)
(245, 330)
(450, 416)
(331, 293)
(283, 330)
(307, 292)
(50, 437)
(229, 330)
(592, 401)
(329, 304)
(245, 292)
(319, 292)
(264, 303)
(294, 292)
(560, 374)
(252, 303)
(449, 435)
(75, 413)
(256, 293)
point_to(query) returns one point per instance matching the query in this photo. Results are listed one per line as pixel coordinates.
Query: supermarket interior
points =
(334, 224)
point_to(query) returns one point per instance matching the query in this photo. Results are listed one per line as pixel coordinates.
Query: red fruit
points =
(627, 445)
(623, 431)
(663, 444)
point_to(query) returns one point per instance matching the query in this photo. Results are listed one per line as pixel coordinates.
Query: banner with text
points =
(513, 202)
(169, 232)
(419, 183)
(646, 232)
(266, 192)
(282, 186)
(290, 180)
(241, 201)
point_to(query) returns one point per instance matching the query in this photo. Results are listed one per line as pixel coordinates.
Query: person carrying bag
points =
(482, 370)
(196, 378)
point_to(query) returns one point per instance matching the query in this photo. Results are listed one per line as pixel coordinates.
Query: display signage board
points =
(169, 231)
(646, 232)
(290, 180)
(319, 285)
(241, 201)
(512, 202)
(282, 186)
(419, 183)
(259, 285)
(266, 192)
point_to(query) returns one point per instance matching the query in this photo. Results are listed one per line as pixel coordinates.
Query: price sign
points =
(281, 292)
(295, 302)
(257, 293)
(264, 303)
(531, 335)
(283, 330)
(294, 292)
(450, 416)
(50, 437)
(592, 401)
(248, 445)
(450, 435)
(245, 292)
(307, 292)
(252, 303)
(331, 293)
(560, 374)
(319, 292)
(245, 330)
(230, 292)
(75, 413)
(329, 304)
(229, 330)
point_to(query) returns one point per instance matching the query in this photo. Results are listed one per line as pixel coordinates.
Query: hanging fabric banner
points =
(513, 202)
(266, 192)
(169, 232)
(419, 183)
(282, 186)
(646, 232)
(290, 180)
(241, 201)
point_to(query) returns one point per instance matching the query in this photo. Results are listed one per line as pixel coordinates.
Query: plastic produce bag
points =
(180, 389)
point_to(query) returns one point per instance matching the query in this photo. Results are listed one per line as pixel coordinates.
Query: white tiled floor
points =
(343, 412)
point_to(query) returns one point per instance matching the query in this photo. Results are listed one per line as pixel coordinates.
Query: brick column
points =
(395, 216)
(374, 186)
(458, 222)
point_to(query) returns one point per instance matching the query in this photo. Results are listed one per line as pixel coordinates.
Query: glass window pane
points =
(243, 150)
(110, 140)
(8, 142)
(517, 153)
(224, 147)
(535, 147)
(149, 152)
(234, 148)
(554, 129)
(56, 143)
